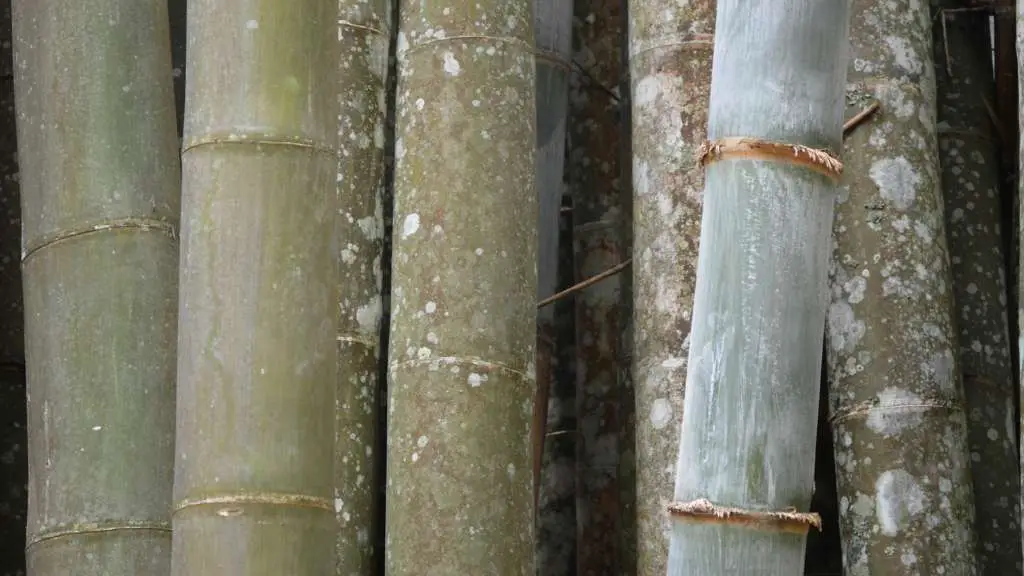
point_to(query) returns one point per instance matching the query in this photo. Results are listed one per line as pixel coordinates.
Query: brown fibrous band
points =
(703, 510)
(754, 149)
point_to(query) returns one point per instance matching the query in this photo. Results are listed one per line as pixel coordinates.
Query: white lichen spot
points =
(889, 417)
(339, 504)
(410, 225)
(422, 441)
(844, 330)
(97, 428)
(451, 65)
(252, 25)
(897, 181)
(479, 251)
(661, 413)
(511, 470)
(475, 379)
(647, 91)
(430, 307)
(420, 103)
(855, 288)
(898, 499)
(904, 54)
(368, 315)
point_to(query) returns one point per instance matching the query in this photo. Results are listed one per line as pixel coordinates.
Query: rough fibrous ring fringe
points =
(753, 149)
(703, 510)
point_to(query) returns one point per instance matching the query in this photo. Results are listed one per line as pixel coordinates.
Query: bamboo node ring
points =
(820, 161)
(703, 510)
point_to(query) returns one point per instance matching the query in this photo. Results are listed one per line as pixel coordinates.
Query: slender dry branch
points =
(584, 284)
(860, 117)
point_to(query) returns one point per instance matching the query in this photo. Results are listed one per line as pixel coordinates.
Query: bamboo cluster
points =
(515, 287)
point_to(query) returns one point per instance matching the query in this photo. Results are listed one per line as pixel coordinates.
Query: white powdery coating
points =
(888, 422)
(898, 499)
(897, 181)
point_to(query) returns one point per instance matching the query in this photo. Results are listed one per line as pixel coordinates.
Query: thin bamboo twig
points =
(860, 117)
(586, 283)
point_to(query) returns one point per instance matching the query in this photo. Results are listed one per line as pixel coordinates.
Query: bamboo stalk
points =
(670, 69)
(365, 31)
(746, 451)
(463, 325)
(599, 214)
(100, 201)
(896, 400)
(258, 357)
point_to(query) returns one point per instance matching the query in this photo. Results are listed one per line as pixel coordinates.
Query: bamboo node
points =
(372, 30)
(83, 529)
(867, 407)
(231, 503)
(820, 161)
(703, 510)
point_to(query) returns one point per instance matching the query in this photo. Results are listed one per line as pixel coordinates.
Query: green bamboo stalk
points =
(100, 198)
(364, 30)
(896, 398)
(553, 38)
(754, 367)
(595, 139)
(257, 364)
(970, 188)
(463, 324)
(670, 69)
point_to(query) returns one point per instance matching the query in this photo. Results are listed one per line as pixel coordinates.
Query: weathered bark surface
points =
(754, 370)
(257, 358)
(552, 32)
(463, 325)
(99, 202)
(969, 159)
(670, 68)
(13, 431)
(594, 178)
(896, 400)
(364, 31)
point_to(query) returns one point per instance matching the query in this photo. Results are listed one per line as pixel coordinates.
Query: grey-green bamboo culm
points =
(258, 326)
(100, 204)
